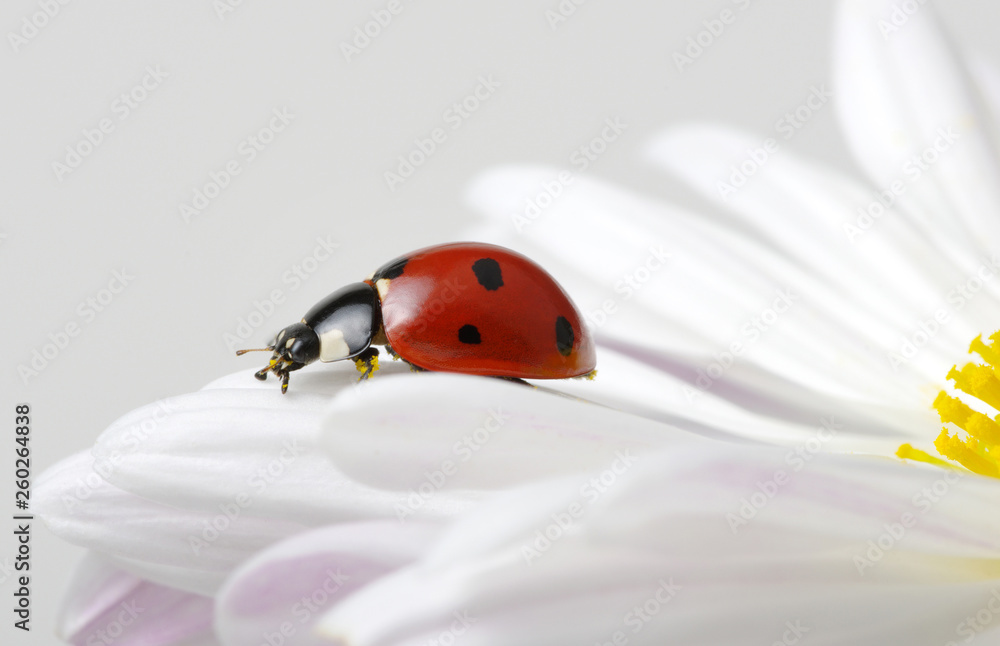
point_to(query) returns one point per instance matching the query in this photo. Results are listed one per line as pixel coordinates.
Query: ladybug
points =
(463, 307)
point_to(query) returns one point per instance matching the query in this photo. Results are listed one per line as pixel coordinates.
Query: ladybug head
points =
(341, 326)
(295, 347)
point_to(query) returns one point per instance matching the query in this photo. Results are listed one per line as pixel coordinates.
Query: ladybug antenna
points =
(268, 349)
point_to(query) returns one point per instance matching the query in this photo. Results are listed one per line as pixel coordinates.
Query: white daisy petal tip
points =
(510, 195)
(181, 491)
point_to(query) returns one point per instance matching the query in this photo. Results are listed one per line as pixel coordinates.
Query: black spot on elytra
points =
(488, 273)
(391, 270)
(564, 336)
(469, 334)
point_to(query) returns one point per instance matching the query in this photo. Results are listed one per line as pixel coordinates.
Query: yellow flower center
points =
(978, 448)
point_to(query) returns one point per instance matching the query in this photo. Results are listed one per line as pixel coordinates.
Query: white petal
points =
(252, 447)
(803, 209)
(447, 432)
(896, 89)
(986, 77)
(284, 590)
(799, 557)
(183, 548)
(760, 409)
(104, 605)
(713, 288)
(183, 490)
(902, 282)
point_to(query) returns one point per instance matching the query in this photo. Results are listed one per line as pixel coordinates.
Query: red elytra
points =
(481, 309)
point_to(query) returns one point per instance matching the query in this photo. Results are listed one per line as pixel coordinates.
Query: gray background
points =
(322, 176)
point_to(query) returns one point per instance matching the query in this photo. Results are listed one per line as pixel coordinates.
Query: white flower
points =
(793, 320)
(863, 297)
(206, 501)
(846, 551)
(183, 490)
(865, 294)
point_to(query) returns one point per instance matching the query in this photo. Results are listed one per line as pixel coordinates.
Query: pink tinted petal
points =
(191, 550)
(105, 605)
(724, 545)
(282, 592)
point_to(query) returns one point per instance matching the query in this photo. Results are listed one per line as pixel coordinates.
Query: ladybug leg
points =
(366, 363)
(392, 353)
(414, 367)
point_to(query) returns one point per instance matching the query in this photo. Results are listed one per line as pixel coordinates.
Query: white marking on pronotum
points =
(382, 285)
(332, 346)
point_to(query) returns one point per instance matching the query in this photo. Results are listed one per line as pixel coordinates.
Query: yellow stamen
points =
(979, 381)
(977, 446)
(907, 452)
(967, 452)
(985, 351)
(978, 425)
